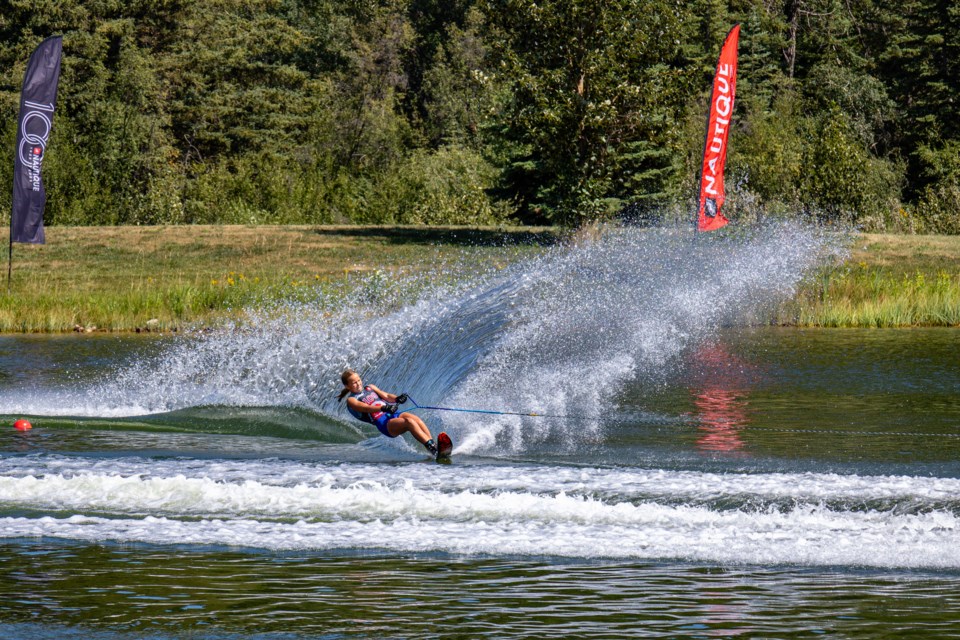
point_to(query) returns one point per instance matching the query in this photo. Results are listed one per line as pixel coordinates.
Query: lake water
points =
(692, 476)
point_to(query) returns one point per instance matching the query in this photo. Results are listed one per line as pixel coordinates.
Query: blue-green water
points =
(706, 478)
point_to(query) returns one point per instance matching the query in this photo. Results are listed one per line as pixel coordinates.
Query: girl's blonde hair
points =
(346, 375)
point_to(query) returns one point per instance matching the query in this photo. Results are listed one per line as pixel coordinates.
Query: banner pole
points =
(706, 138)
(10, 255)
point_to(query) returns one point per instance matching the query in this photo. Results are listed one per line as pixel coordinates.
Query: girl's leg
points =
(408, 422)
(420, 424)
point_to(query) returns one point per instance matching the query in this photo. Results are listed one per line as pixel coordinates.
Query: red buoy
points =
(22, 425)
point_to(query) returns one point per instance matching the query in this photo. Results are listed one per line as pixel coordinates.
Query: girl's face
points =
(354, 384)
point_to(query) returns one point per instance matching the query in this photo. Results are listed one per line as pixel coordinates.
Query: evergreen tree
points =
(596, 96)
(922, 67)
(405, 110)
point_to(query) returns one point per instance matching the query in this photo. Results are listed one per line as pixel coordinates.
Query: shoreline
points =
(166, 279)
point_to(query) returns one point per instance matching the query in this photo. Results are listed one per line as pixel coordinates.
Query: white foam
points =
(814, 536)
(611, 484)
(819, 519)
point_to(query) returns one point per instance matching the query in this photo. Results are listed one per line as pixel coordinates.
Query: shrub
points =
(937, 205)
(842, 177)
(447, 186)
(937, 208)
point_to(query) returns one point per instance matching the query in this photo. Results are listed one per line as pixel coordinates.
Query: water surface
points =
(696, 476)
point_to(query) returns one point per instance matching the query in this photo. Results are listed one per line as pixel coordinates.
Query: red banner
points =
(712, 192)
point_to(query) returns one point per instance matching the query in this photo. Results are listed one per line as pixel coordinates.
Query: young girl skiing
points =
(379, 408)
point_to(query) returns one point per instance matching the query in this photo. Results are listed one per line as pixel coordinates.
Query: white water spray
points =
(560, 333)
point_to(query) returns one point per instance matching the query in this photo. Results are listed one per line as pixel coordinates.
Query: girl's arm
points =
(388, 397)
(360, 407)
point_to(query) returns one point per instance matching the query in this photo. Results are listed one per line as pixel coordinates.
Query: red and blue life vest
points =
(370, 397)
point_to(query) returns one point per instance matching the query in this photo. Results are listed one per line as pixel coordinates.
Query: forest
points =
(556, 112)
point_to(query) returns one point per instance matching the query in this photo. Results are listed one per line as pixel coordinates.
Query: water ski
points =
(444, 446)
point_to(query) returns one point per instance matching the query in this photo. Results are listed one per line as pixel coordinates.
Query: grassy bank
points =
(165, 278)
(889, 281)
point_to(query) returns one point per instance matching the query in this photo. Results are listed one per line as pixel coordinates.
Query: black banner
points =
(37, 101)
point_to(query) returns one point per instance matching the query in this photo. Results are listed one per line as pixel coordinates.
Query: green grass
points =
(119, 278)
(889, 281)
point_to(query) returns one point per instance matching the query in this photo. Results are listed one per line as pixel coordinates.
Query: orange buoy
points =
(22, 425)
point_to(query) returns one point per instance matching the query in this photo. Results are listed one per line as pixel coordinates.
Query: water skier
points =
(379, 408)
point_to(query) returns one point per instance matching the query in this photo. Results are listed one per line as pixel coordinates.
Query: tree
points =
(596, 100)
(111, 117)
(922, 66)
(460, 95)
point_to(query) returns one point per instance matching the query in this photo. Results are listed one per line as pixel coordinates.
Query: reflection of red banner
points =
(712, 193)
(720, 388)
(722, 416)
